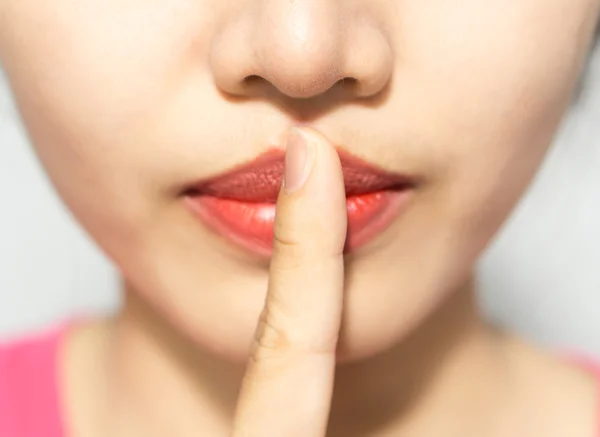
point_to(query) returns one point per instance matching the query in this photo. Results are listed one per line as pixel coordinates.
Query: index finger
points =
(289, 380)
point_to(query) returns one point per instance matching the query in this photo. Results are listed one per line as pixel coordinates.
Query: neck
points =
(450, 364)
(428, 384)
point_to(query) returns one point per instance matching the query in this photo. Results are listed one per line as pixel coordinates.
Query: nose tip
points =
(301, 70)
(302, 49)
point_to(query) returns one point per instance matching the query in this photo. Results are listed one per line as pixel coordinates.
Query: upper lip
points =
(260, 179)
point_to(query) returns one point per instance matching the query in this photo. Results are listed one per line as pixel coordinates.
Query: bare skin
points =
(128, 102)
(476, 381)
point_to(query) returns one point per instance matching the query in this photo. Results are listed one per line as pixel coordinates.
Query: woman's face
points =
(128, 102)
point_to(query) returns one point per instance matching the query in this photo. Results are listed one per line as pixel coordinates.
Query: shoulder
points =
(28, 382)
(556, 394)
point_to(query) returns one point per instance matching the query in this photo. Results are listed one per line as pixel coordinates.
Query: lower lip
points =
(250, 225)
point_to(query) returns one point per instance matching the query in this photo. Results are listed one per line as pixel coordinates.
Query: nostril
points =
(253, 79)
(347, 82)
(256, 82)
(252, 83)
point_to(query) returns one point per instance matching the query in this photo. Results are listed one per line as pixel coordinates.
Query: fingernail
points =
(298, 161)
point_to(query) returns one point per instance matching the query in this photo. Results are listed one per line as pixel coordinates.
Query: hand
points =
(288, 384)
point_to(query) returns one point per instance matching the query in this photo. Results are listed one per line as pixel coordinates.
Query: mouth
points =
(240, 204)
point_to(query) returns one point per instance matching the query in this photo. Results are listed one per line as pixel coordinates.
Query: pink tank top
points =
(30, 405)
(29, 401)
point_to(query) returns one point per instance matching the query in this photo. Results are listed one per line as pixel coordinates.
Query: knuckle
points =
(271, 340)
(288, 253)
(276, 339)
(298, 245)
(286, 234)
(291, 251)
(271, 334)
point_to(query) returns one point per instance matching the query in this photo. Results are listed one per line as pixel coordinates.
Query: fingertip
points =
(323, 196)
(299, 159)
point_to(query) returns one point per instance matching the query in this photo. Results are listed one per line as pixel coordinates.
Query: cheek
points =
(86, 77)
(101, 69)
(95, 67)
(493, 83)
(495, 68)
(90, 166)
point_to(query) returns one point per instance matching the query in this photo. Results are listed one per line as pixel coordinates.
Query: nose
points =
(302, 48)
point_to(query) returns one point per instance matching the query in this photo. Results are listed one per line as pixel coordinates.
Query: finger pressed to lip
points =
(306, 272)
(289, 380)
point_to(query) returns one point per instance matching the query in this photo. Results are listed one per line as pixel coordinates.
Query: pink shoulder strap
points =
(593, 367)
(29, 400)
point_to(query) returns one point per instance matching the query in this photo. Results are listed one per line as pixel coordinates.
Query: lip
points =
(239, 205)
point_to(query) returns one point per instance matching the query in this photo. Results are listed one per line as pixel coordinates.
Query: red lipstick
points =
(240, 204)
